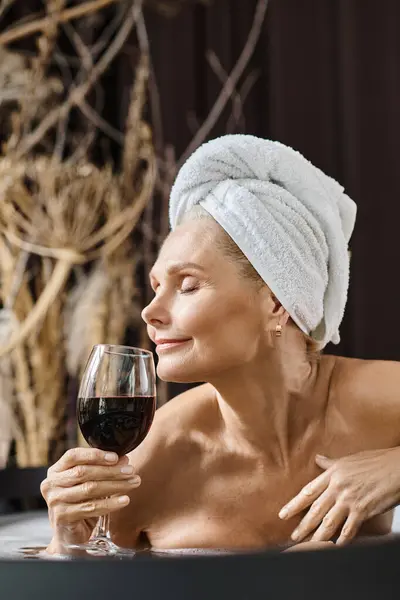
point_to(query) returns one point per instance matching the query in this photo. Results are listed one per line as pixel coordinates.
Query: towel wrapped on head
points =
(291, 221)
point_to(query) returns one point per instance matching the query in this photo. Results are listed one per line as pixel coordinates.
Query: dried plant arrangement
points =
(67, 258)
(68, 252)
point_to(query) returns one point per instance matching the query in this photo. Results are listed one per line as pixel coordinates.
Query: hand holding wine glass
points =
(115, 409)
(84, 484)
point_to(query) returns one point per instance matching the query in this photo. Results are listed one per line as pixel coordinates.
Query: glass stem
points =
(102, 529)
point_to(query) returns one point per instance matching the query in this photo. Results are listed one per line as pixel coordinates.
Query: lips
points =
(170, 340)
(169, 344)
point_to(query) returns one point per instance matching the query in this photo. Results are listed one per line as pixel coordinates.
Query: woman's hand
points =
(351, 490)
(85, 483)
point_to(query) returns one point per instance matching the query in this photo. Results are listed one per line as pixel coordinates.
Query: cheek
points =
(197, 317)
(203, 314)
(235, 337)
(193, 316)
(221, 327)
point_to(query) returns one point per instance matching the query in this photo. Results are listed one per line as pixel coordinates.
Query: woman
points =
(250, 285)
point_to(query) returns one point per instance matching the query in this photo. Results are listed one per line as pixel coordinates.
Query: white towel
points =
(290, 220)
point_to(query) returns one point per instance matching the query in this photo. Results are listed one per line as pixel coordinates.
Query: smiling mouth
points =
(170, 345)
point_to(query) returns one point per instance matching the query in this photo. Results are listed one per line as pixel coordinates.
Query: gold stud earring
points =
(278, 330)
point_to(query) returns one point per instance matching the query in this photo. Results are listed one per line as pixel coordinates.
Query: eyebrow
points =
(179, 266)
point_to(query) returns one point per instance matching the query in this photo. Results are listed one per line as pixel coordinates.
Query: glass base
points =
(101, 547)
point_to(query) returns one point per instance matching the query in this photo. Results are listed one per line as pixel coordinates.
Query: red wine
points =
(117, 423)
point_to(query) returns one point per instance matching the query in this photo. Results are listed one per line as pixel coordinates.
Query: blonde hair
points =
(232, 251)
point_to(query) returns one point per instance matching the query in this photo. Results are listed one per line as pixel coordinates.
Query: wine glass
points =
(116, 406)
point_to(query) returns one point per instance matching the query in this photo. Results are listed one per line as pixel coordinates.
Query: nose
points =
(155, 313)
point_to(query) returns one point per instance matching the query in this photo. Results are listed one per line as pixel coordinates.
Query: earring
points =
(278, 330)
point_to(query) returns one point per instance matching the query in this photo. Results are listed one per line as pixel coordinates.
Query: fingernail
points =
(295, 535)
(110, 457)
(123, 500)
(283, 513)
(135, 480)
(128, 469)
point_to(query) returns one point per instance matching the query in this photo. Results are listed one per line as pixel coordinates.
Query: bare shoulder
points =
(174, 426)
(366, 378)
(370, 391)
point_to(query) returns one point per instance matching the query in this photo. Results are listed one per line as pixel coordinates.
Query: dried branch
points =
(154, 94)
(131, 215)
(69, 14)
(134, 128)
(238, 97)
(7, 395)
(148, 249)
(108, 33)
(230, 83)
(77, 95)
(19, 273)
(100, 123)
(170, 169)
(50, 293)
(4, 6)
(86, 56)
(83, 318)
(26, 401)
(81, 151)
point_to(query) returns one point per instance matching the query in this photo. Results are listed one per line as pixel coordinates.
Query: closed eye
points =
(191, 286)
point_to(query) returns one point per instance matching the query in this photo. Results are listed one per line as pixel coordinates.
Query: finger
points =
(82, 456)
(307, 496)
(332, 521)
(314, 516)
(71, 513)
(324, 462)
(349, 529)
(82, 473)
(91, 490)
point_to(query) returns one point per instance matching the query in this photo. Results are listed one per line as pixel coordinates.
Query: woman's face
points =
(202, 301)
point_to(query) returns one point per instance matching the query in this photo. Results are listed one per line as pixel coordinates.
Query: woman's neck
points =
(267, 404)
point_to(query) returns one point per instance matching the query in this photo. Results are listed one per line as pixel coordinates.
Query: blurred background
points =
(100, 103)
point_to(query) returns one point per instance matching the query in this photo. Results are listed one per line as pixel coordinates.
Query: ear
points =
(274, 308)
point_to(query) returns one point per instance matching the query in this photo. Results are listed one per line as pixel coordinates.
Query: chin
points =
(178, 377)
(178, 374)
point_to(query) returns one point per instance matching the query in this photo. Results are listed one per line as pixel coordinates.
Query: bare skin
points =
(214, 493)
(221, 460)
